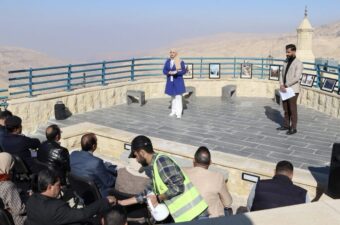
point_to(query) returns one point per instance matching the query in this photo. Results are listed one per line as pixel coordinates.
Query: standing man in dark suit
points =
(85, 164)
(16, 143)
(290, 78)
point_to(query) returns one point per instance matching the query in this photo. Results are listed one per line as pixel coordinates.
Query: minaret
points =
(305, 40)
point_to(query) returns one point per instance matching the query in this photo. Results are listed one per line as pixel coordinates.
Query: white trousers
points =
(176, 105)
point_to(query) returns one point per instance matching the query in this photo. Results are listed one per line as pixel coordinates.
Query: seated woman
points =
(8, 191)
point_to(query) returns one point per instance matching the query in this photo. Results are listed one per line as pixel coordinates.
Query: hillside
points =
(326, 43)
(12, 58)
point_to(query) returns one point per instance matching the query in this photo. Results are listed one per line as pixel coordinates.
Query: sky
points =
(85, 29)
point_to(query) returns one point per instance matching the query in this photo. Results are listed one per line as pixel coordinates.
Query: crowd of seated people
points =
(45, 206)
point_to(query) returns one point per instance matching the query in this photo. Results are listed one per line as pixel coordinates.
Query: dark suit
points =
(20, 145)
(277, 192)
(55, 156)
(42, 210)
(85, 164)
(2, 134)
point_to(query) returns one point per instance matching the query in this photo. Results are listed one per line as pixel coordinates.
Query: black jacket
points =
(2, 134)
(20, 145)
(277, 192)
(54, 155)
(42, 210)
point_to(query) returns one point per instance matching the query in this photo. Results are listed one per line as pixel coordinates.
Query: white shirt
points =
(171, 63)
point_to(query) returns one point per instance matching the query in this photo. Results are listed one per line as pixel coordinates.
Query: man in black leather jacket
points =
(52, 154)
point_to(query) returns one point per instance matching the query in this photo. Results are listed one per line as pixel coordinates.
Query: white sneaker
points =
(178, 117)
(172, 114)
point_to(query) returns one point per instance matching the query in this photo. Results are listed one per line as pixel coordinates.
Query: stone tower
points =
(305, 40)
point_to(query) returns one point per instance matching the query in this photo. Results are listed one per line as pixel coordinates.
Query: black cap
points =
(140, 142)
(13, 122)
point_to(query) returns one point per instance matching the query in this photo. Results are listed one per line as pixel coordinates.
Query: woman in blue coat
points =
(174, 69)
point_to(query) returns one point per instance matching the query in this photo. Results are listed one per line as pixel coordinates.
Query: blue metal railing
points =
(3, 98)
(35, 81)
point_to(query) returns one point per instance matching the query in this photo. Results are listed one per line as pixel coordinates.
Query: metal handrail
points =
(35, 81)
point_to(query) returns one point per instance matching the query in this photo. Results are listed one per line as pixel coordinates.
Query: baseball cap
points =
(140, 142)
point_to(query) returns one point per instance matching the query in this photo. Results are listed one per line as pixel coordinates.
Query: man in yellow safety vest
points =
(170, 184)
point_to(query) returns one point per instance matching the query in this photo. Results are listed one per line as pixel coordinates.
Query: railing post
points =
(103, 73)
(318, 75)
(201, 64)
(84, 79)
(69, 74)
(262, 68)
(132, 69)
(30, 81)
(338, 79)
(234, 67)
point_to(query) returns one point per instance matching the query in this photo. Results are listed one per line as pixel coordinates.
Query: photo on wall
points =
(328, 84)
(189, 67)
(274, 72)
(214, 70)
(246, 70)
(307, 80)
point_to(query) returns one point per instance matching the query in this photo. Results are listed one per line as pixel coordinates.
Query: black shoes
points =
(291, 131)
(282, 128)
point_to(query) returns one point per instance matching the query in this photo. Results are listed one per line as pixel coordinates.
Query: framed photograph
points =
(274, 72)
(189, 67)
(307, 80)
(246, 70)
(328, 84)
(214, 71)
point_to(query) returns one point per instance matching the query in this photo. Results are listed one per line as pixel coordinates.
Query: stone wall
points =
(321, 101)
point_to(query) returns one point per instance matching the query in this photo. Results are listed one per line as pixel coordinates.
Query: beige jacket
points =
(211, 185)
(293, 75)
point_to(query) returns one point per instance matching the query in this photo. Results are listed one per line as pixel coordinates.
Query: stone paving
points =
(243, 126)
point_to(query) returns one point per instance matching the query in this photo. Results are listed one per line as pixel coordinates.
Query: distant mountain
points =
(12, 58)
(326, 43)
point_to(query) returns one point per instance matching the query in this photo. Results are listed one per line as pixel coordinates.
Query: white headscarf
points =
(6, 163)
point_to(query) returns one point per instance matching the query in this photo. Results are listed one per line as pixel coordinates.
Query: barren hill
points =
(326, 43)
(12, 58)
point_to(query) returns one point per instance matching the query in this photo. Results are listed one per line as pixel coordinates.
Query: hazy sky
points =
(84, 29)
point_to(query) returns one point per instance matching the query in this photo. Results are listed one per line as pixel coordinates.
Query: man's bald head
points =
(53, 133)
(89, 142)
(202, 157)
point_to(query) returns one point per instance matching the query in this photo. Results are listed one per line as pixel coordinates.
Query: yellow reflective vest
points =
(183, 207)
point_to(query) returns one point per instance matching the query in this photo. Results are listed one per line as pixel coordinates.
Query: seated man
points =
(85, 164)
(16, 143)
(54, 155)
(277, 192)
(116, 216)
(211, 185)
(44, 208)
(3, 116)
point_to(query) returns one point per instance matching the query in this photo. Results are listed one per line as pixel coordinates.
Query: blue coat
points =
(85, 164)
(176, 87)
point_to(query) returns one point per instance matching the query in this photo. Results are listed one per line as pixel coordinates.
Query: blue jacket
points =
(85, 164)
(176, 87)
